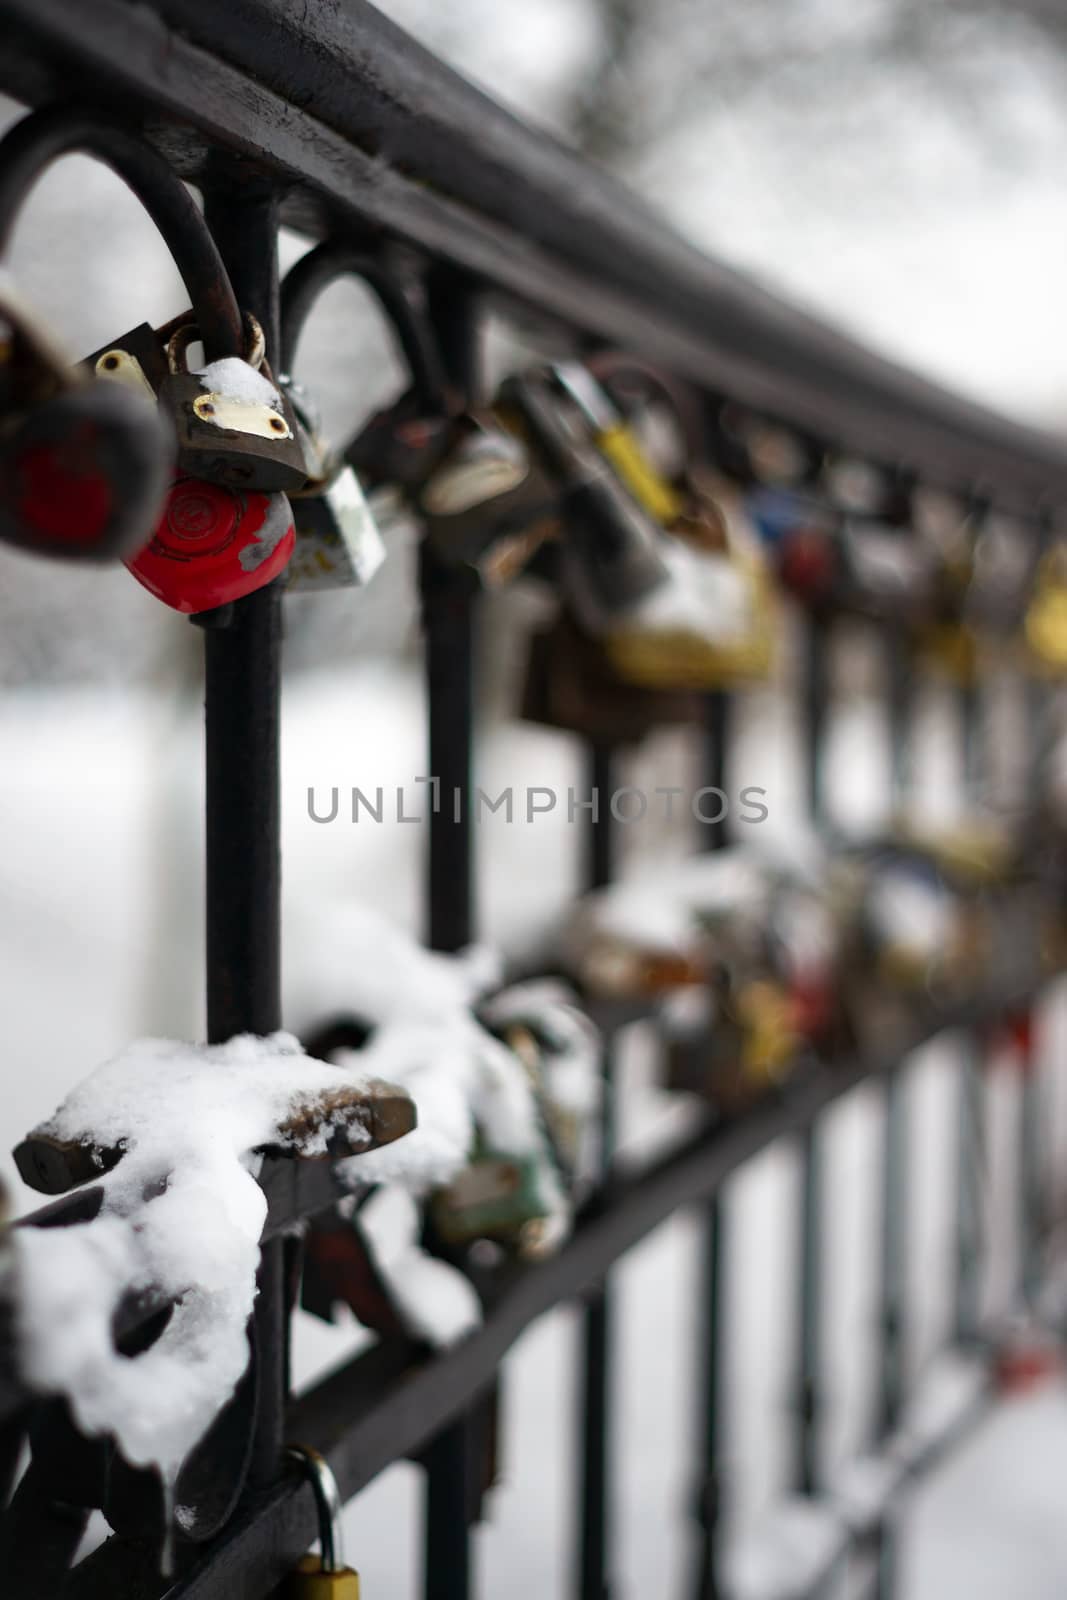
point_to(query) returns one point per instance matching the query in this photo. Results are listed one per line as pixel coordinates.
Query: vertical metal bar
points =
(809, 1330)
(447, 1574)
(449, 624)
(900, 683)
(971, 1121)
(594, 1528)
(892, 1293)
(707, 1585)
(1031, 1143)
(1031, 1188)
(243, 891)
(809, 1319)
(893, 1310)
(893, 1287)
(967, 1315)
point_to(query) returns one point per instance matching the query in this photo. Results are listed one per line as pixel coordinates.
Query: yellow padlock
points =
(616, 440)
(325, 1576)
(1045, 624)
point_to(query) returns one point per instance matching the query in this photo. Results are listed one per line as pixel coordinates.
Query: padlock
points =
(715, 624)
(616, 440)
(487, 503)
(1045, 623)
(234, 425)
(571, 684)
(946, 640)
(83, 469)
(338, 541)
(325, 1576)
(499, 1195)
(214, 545)
(739, 1049)
(801, 536)
(137, 360)
(611, 547)
(560, 1050)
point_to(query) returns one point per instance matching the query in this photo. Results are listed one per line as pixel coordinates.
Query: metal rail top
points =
(363, 128)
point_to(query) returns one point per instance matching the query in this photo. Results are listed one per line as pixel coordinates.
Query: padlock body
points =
(400, 445)
(571, 684)
(137, 360)
(83, 476)
(488, 504)
(338, 543)
(244, 445)
(213, 545)
(310, 1582)
(492, 1198)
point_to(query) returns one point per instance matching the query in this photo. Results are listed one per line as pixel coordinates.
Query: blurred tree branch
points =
(663, 63)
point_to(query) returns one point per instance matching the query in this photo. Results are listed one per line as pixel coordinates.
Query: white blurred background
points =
(897, 166)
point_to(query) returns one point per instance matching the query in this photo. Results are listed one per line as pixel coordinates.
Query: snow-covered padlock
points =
(214, 545)
(325, 1576)
(83, 470)
(234, 425)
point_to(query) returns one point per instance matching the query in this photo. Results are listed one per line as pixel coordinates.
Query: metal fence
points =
(328, 119)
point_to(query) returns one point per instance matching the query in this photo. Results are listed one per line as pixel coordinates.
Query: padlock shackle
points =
(323, 266)
(43, 136)
(328, 1504)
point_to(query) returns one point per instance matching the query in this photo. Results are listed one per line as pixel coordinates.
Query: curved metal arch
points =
(314, 273)
(44, 136)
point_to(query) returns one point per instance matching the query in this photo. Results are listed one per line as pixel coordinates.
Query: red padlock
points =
(214, 544)
(82, 475)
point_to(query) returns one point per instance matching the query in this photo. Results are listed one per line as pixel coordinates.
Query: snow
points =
(706, 595)
(235, 380)
(434, 1301)
(789, 1552)
(182, 1214)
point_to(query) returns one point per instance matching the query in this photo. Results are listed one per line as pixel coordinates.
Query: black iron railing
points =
(329, 119)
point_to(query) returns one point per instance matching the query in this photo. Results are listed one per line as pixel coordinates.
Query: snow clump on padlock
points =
(237, 381)
(181, 1217)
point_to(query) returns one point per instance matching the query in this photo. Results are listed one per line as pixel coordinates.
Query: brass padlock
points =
(233, 423)
(717, 626)
(1045, 624)
(571, 684)
(325, 1576)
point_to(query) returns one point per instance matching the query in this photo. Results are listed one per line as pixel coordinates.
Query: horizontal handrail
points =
(361, 127)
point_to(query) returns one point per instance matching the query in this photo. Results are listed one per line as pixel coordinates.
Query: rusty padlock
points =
(571, 684)
(487, 504)
(234, 425)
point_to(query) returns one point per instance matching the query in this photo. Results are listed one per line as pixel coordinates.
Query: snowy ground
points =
(100, 939)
